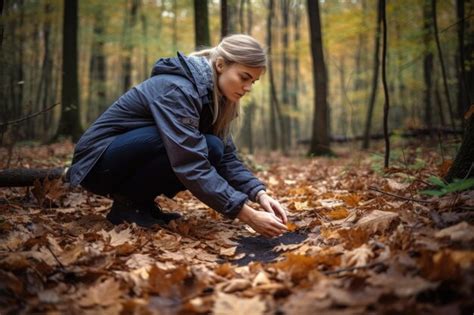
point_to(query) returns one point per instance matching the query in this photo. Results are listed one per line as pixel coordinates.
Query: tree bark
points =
(273, 118)
(201, 24)
(375, 80)
(27, 177)
(320, 135)
(70, 124)
(463, 163)
(296, 67)
(466, 59)
(441, 61)
(97, 69)
(285, 96)
(427, 61)
(385, 88)
(129, 45)
(224, 19)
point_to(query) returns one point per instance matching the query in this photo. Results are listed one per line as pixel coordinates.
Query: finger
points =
(267, 207)
(280, 225)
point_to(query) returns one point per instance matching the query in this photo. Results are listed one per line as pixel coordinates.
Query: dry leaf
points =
(233, 285)
(260, 279)
(228, 304)
(117, 238)
(377, 221)
(459, 232)
(357, 257)
(400, 285)
(102, 293)
(228, 251)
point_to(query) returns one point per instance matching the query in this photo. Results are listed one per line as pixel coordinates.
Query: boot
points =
(124, 210)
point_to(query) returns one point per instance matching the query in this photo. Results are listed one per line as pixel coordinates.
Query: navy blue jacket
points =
(177, 99)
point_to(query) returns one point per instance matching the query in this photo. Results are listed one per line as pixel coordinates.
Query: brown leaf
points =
(337, 213)
(377, 221)
(117, 238)
(102, 293)
(297, 266)
(357, 257)
(459, 232)
(401, 285)
(229, 304)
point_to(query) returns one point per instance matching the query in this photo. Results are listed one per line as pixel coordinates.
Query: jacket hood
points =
(195, 69)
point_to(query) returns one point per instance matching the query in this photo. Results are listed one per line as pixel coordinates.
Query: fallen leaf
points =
(233, 285)
(459, 232)
(377, 221)
(260, 279)
(102, 293)
(228, 304)
(357, 257)
(228, 251)
(117, 238)
(401, 285)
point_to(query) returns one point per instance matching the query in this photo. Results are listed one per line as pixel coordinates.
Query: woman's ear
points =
(220, 64)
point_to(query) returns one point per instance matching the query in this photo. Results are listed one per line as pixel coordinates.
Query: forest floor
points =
(363, 240)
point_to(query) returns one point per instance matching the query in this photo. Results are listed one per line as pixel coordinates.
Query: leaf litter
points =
(349, 249)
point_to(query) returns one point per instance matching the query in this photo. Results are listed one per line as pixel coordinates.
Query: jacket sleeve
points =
(235, 172)
(176, 114)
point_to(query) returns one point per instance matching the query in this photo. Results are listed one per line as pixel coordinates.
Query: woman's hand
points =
(271, 205)
(264, 223)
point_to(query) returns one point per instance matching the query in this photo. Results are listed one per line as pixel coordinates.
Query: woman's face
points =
(235, 80)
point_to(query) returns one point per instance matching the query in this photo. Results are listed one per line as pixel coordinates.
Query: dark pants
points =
(136, 166)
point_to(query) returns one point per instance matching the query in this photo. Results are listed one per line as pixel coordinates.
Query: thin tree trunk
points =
(201, 24)
(175, 26)
(427, 62)
(375, 80)
(273, 127)
(241, 16)
(286, 122)
(144, 22)
(70, 124)
(296, 66)
(439, 104)
(129, 45)
(385, 89)
(463, 165)
(97, 69)
(224, 19)
(320, 135)
(441, 60)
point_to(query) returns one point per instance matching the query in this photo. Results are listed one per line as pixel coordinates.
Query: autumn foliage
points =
(371, 243)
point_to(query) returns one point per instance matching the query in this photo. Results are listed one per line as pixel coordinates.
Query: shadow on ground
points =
(259, 248)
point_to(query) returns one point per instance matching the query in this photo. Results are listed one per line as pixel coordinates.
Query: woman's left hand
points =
(271, 205)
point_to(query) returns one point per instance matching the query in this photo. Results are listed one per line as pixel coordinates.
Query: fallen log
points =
(22, 177)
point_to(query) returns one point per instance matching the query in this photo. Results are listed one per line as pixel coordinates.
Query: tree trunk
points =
(224, 19)
(465, 69)
(201, 24)
(70, 124)
(463, 163)
(385, 89)
(128, 45)
(375, 80)
(175, 26)
(296, 67)
(427, 61)
(441, 61)
(320, 135)
(273, 128)
(97, 69)
(286, 122)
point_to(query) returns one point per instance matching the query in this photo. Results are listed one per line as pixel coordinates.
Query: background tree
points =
(320, 137)
(69, 124)
(375, 79)
(201, 24)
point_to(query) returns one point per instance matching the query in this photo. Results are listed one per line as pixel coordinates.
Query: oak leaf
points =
(357, 257)
(117, 238)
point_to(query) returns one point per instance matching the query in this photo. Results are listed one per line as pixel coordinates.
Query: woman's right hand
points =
(264, 223)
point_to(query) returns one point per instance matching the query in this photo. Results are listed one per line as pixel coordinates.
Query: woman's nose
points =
(247, 87)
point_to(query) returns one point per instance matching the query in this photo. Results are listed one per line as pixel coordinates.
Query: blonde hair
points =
(241, 49)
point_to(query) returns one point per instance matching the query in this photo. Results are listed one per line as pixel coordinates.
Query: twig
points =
(352, 268)
(17, 121)
(400, 197)
(55, 257)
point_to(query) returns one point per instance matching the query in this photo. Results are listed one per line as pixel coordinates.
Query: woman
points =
(171, 133)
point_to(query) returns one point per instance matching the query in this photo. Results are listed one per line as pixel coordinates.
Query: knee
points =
(215, 147)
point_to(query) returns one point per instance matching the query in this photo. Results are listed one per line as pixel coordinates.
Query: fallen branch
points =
(26, 176)
(399, 197)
